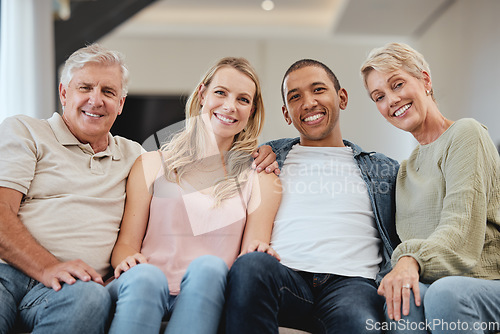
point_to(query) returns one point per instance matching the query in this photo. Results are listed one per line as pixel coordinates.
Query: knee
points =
(248, 266)
(90, 292)
(252, 272)
(144, 273)
(143, 278)
(366, 306)
(447, 292)
(208, 266)
(86, 298)
(204, 272)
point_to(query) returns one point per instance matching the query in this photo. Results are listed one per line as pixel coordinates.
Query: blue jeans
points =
(457, 304)
(414, 322)
(454, 304)
(263, 294)
(143, 300)
(82, 307)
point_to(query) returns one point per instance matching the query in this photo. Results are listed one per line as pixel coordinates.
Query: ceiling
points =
(289, 18)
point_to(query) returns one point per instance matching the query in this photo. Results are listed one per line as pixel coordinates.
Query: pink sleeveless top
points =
(184, 224)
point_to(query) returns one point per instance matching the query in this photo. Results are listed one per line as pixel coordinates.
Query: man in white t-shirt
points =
(334, 230)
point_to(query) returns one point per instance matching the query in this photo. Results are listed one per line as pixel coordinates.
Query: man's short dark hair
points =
(305, 63)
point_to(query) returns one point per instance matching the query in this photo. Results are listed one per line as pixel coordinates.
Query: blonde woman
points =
(447, 204)
(192, 208)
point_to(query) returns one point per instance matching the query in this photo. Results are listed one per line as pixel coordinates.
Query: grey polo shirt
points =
(73, 198)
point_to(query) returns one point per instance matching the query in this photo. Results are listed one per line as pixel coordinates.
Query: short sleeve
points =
(18, 155)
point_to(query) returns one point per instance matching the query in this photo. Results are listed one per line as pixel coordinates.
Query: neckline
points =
(438, 138)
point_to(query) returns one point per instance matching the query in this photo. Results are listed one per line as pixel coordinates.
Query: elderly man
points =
(62, 192)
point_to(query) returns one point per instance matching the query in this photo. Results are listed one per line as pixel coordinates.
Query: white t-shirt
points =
(325, 223)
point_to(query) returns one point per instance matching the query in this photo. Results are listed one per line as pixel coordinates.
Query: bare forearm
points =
(20, 249)
(120, 253)
(260, 233)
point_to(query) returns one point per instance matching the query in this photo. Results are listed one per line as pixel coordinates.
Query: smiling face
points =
(92, 101)
(313, 106)
(229, 101)
(401, 98)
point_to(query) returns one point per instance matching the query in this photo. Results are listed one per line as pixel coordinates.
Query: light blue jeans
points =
(82, 307)
(458, 304)
(143, 300)
(454, 304)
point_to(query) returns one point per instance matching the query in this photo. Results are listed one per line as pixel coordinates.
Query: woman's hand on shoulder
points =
(397, 285)
(129, 262)
(260, 246)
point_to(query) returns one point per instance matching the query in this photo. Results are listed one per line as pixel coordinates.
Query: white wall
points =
(463, 51)
(174, 66)
(360, 122)
(462, 48)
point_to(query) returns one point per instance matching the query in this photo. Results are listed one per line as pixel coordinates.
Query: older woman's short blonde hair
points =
(395, 56)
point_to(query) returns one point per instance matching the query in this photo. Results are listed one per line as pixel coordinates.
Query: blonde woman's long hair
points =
(190, 145)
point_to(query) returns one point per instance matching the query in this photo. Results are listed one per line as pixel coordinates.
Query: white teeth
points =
(401, 110)
(224, 119)
(313, 118)
(91, 115)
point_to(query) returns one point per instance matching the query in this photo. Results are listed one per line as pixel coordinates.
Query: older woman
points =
(447, 200)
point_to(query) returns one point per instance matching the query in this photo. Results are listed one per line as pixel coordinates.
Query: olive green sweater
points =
(448, 205)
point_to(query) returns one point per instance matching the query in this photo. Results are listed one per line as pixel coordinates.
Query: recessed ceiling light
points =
(267, 5)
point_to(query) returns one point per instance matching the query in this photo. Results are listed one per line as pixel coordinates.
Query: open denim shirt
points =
(379, 173)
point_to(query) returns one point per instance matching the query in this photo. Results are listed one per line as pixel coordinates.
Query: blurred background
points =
(169, 44)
